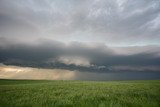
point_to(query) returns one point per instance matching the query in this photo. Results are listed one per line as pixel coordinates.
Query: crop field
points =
(45, 93)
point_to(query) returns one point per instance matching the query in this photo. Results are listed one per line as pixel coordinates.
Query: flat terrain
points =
(43, 93)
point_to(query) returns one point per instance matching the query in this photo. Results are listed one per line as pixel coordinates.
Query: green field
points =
(43, 93)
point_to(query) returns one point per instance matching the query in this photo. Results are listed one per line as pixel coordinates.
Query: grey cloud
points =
(124, 22)
(97, 57)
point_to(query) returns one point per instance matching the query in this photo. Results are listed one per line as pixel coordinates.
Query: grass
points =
(43, 93)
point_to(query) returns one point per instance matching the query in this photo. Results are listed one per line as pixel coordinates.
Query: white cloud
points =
(78, 61)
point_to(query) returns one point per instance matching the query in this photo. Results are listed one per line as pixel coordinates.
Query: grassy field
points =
(32, 93)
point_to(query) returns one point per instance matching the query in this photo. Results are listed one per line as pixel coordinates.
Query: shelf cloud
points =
(79, 56)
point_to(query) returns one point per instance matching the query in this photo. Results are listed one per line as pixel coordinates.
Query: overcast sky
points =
(100, 36)
(113, 22)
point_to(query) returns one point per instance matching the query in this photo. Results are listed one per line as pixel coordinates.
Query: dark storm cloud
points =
(125, 22)
(75, 56)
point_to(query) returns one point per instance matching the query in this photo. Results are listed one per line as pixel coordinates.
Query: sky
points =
(80, 39)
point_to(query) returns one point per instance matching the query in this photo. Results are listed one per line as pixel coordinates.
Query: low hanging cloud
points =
(15, 72)
(79, 56)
